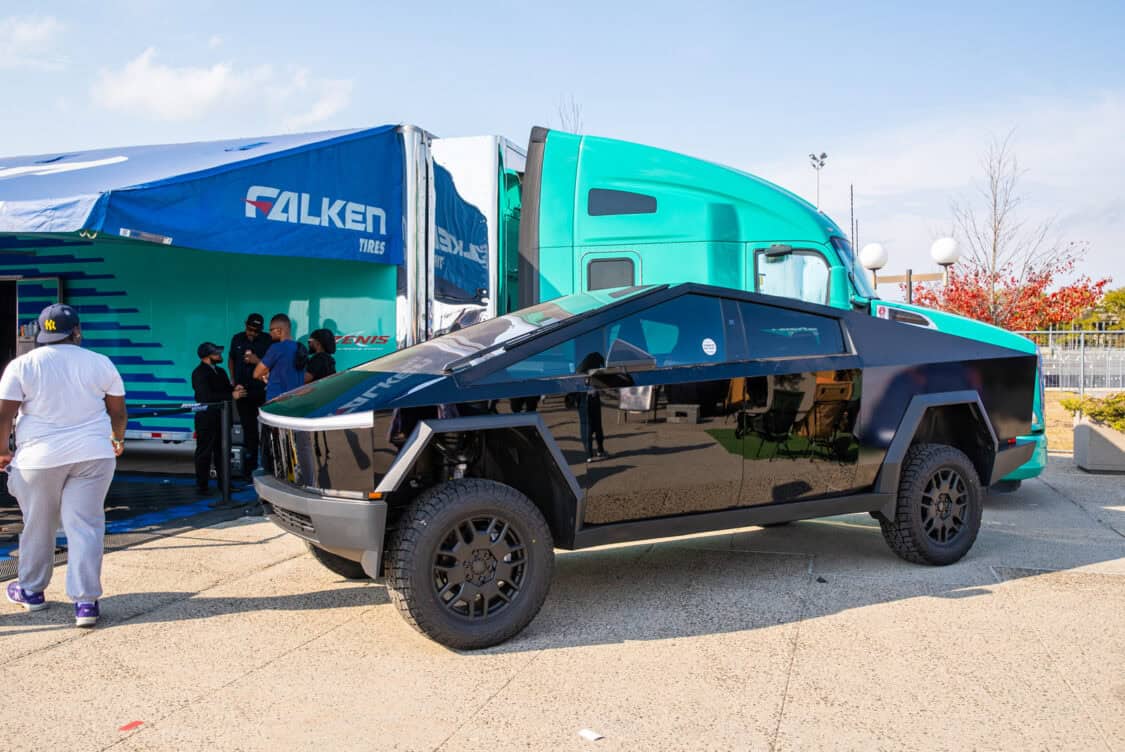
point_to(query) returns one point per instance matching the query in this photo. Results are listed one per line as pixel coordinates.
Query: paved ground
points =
(809, 636)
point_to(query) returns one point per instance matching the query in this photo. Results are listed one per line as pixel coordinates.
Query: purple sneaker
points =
(86, 614)
(30, 601)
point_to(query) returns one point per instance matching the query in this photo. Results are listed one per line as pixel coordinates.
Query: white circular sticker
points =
(709, 346)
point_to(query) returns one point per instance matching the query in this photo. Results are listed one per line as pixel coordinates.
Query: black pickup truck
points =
(456, 467)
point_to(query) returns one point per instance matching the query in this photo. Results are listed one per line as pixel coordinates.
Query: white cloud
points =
(292, 98)
(30, 43)
(215, 41)
(907, 175)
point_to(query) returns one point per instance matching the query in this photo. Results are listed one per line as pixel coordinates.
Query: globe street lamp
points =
(945, 252)
(873, 256)
(818, 165)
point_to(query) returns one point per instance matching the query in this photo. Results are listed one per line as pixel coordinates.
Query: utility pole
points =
(818, 165)
(851, 203)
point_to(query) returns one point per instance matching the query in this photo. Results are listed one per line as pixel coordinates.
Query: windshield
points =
(462, 345)
(858, 276)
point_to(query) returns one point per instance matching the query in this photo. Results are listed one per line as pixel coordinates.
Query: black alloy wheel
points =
(470, 562)
(938, 507)
(479, 567)
(945, 505)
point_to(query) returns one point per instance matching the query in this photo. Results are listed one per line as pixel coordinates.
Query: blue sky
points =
(903, 99)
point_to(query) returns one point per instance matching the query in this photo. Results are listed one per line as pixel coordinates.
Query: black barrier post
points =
(225, 469)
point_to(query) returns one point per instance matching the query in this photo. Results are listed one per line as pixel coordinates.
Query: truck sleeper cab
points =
(456, 466)
(599, 212)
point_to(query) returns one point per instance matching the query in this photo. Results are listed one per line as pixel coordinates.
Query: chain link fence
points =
(1082, 360)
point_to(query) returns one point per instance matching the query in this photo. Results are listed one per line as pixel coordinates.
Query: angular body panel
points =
(658, 405)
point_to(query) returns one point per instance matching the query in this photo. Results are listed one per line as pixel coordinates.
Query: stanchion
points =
(152, 411)
(225, 443)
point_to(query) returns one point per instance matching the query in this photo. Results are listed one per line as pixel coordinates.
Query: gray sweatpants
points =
(74, 493)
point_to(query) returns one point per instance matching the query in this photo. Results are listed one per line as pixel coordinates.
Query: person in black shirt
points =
(247, 348)
(322, 343)
(211, 385)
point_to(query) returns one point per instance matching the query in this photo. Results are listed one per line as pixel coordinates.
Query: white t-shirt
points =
(62, 418)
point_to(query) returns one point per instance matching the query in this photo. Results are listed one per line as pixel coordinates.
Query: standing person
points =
(247, 348)
(70, 404)
(283, 367)
(211, 385)
(322, 343)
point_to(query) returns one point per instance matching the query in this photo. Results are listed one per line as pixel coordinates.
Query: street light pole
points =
(818, 165)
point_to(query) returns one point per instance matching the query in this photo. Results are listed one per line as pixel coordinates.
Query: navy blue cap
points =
(56, 323)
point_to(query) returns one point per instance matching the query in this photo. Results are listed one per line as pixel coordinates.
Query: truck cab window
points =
(606, 273)
(800, 274)
(604, 202)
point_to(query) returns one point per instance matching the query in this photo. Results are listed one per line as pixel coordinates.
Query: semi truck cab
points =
(598, 213)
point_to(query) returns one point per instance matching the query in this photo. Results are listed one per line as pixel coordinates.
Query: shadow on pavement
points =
(127, 609)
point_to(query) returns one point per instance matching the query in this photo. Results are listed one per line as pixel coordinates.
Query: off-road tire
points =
(916, 531)
(346, 568)
(422, 540)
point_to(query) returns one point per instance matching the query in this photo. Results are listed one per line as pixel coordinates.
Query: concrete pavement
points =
(807, 636)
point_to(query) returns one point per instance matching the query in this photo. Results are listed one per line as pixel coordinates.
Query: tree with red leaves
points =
(1013, 275)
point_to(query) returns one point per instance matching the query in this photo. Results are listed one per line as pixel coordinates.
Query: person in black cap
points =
(71, 429)
(322, 343)
(211, 385)
(247, 348)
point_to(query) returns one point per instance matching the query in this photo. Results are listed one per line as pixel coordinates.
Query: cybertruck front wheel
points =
(938, 511)
(470, 563)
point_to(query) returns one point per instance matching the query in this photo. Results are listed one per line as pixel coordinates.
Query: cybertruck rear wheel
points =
(938, 512)
(470, 563)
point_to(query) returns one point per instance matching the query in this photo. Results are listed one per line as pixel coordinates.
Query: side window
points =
(603, 274)
(686, 331)
(778, 332)
(603, 202)
(801, 274)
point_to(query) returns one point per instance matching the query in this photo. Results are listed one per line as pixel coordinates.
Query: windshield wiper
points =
(460, 363)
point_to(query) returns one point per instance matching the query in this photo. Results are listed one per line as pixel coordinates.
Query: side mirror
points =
(839, 287)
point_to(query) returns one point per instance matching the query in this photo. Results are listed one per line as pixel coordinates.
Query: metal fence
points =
(1081, 360)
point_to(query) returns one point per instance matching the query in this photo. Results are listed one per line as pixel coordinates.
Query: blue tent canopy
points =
(334, 194)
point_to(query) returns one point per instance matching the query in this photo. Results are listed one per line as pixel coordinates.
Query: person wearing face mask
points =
(211, 385)
(322, 343)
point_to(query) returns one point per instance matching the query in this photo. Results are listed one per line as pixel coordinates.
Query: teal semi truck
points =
(434, 234)
(600, 213)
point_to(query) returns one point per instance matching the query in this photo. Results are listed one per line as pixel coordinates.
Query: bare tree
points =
(569, 114)
(1000, 243)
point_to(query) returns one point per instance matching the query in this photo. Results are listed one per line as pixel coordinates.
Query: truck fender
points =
(891, 468)
(559, 511)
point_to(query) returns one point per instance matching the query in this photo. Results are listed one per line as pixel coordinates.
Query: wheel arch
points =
(518, 450)
(957, 419)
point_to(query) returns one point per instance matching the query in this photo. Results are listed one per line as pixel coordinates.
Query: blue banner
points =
(461, 245)
(332, 195)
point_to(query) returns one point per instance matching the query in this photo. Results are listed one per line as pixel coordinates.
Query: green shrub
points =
(1108, 410)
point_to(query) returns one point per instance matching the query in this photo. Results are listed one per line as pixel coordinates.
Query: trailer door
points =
(21, 300)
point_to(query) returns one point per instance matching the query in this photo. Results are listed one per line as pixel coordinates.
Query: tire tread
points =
(901, 533)
(403, 548)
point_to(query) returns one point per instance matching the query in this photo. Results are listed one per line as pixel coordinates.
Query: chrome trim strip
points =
(327, 423)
